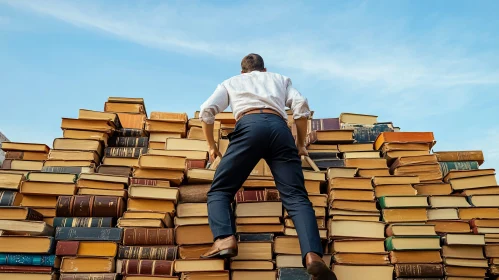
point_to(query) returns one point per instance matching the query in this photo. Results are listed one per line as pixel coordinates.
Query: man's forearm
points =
(301, 129)
(208, 134)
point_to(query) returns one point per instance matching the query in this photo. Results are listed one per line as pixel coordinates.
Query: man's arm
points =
(217, 102)
(301, 113)
(301, 128)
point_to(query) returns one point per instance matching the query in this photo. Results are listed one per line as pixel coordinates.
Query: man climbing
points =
(258, 99)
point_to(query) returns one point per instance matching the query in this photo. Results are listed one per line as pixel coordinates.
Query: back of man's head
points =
(252, 62)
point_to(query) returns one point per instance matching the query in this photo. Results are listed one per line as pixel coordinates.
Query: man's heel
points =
(228, 253)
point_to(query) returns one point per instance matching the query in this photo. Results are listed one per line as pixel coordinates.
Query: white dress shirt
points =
(255, 90)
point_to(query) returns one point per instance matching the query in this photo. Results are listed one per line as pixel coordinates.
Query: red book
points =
(250, 196)
(196, 163)
(147, 267)
(25, 268)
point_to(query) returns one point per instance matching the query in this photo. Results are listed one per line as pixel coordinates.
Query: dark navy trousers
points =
(266, 136)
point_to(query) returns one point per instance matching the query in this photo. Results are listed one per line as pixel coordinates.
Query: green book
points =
(457, 165)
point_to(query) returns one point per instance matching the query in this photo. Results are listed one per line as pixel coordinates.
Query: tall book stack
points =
(87, 240)
(26, 245)
(131, 111)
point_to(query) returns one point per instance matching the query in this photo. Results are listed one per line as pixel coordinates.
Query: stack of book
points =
(10, 183)
(24, 157)
(463, 256)
(26, 245)
(131, 111)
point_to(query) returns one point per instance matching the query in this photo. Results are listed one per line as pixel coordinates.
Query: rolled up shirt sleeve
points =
(215, 104)
(296, 102)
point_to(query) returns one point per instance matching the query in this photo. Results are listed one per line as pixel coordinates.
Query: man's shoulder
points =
(244, 76)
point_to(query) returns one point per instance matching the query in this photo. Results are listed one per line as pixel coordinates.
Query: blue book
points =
(293, 274)
(88, 234)
(27, 259)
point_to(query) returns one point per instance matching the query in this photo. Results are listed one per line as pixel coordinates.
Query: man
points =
(258, 100)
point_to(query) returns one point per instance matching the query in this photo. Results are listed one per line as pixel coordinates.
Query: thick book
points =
(87, 265)
(404, 137)
(32, 228)
(26, 155)
(96, 115)
(10, 198)
(83, 222)
(193, 193)
(45, 270)
(26, 244)
(27, 259)
(19, 213)
(255, 237)
(89, 206)
(148, 236)
(11, 181)
(124, 152)
(292, 274)
(130, 142)
(89, 276)
(118, 107)
(367, 133)
(31, 147)
(149, 182)
(67, 169)
(146, 267)
(86, 248)
(457, 165)
(324, 124)
(461, 156)
(330, 137)
(133, 121)
(131, 132)
(419, 270)
(89, 234)
(167, 253)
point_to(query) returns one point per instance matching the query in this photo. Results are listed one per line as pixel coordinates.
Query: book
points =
(83, 222)
(139, 204)
(148, 236)
(463, 239)
(130, 222)
(453, 156)
(324, 124)
(449, 201)
(124, 152)
(403, 201)
(443, 214)
(85, 134)
(404, 215)
(359, 246)
(356, 229)
(419, 270)
(10, 198)
(199, 265)
(473, 182)
(395, 180)
(401, 146)
(167, 253)
(410, 230)
(86, 265)
(98, 125)
(166, 218)
(29, 275)
(259, 237)
(295, 261)
(361, 259)
(27, 260)
(86, 248)
(165, 126)
(189, 155)
(395, 243)
(11, 181)
(88, 276)
(89, 234)
(89, 114)
(78, 144)
(162, 162)
(395, 190)
(358, 118)
(448, 166)
(192, 210)
(32, 228)
(254, 251)
(330, 137)
(99, 192)
(463, 251)
(25, 147)
(360, 272)
(146, 267)
(251, 265)
(19, 213)
(51, 177)
(193, 234)
(26, 155)
(368, 133)
(354, 195)
(118, 107)
(65, 155)
(248, 275)
(174, 176)
(366, 163)
(213, 275)
(71, 170)
(411, 257)
(47, 188)
(147, 192)
(350, 183)
(114, 170)
(404, 137)
(129, 142)
(23, 165)
(26, 244)
(259, 209)
(467, 173)
(193, 193)
(478, 212)
(133, 124)
(433, 189)
(89, 206)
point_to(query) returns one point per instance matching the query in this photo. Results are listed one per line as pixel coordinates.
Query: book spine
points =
(130, 142)
(148, 236)
(382, 202)
(419, 270)
(26, 259)
(64, 206)
(14, 155)
(26, 269)
(107, 206)
(147, 267)
(124, 152)
(88, 276)
(166, 253)
(367, 133)
(389, 244)
(272, 195)
(67, 248)
(88, 234)
(144, 182)
(130, 132)
(461, 156)
(111, 170)
(255, 237)
(34, 215)
(82, 205)
(196, 163)
(447, 166)
(325, 124)
(250, 196)
(83, 222)
(322, 155)
(63, 169)
(7, 198)
(194, 193)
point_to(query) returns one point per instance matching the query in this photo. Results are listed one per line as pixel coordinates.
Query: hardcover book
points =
(89, 234)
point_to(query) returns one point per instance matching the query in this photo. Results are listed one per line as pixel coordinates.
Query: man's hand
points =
(302, 151)
(214, 153)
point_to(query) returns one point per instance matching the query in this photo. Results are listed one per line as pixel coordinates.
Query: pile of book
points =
(123, 195)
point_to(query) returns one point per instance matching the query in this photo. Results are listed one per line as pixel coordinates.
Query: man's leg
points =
(285, 165)
(241, 157)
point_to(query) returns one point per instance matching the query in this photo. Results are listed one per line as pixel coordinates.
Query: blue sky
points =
(425, 65)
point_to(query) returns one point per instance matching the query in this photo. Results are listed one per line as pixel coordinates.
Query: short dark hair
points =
(252, 62)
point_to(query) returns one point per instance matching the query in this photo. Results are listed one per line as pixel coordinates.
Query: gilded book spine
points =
(167, 253)
(130, 132)
(83, 222)
(124, 152)
(148, 236)
(8, 198)
(147, 267)
(131, 142)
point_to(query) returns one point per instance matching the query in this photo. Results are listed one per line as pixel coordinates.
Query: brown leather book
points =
(131, 142)
(250, 195)
(166, 253)
(147, 267)
(193, 193)
(26, 155)
(114, 170)
(148, 236)
(89, 206)
(25, 268)
(195, 163)
(124, 152)
(88, 276)
(149, 182)
(419, 270)
(460, 156)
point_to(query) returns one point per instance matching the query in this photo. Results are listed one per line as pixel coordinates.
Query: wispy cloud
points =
(382, 55)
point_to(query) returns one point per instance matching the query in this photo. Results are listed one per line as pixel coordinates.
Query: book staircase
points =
(122, 195)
